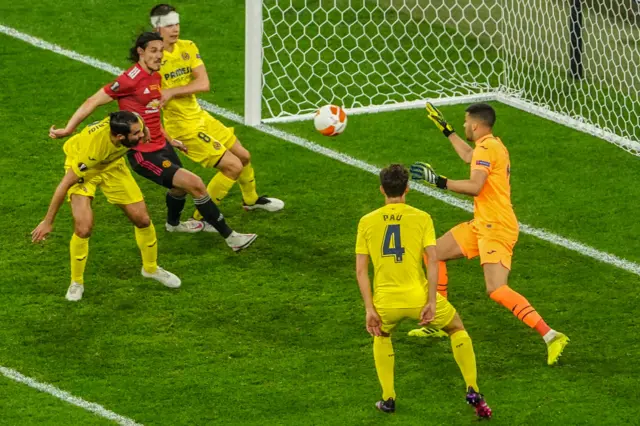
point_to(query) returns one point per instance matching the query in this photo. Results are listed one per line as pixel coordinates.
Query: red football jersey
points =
(138, 91)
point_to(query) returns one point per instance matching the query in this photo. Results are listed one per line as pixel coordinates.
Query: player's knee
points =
(454, 326)
(492, 287)
(190, 183)
(234, 169)
(245, 157)
(231, 167)
(142, 221)
(198, 188)
(83, 229)
(177, 192)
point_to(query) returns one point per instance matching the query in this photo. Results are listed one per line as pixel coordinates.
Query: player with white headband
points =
(138, 89)
(209, 142)
(171, 18)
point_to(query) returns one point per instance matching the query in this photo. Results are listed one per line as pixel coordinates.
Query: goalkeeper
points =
(493, 232)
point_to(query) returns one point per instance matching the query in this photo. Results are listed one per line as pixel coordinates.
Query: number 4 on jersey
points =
(392, 244)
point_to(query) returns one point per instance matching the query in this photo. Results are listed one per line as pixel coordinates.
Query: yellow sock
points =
(385, 359)
(148, 245)
(247, 181)
(79, 250)
(465, 358)
(218, 188)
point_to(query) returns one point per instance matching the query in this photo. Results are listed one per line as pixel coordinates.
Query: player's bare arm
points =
(178, 145)
(175, 142)
(373, 321)
(429, 311)
(46, 226)
(472, 186)
(98, 99)
(200, 83)
(424, 173)
(464, 150)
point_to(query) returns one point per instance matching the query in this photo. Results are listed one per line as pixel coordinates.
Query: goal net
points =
(572, 61)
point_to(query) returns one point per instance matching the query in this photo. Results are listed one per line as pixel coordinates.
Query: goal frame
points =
(254, 84)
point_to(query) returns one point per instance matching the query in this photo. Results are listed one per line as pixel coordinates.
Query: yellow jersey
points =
(176, 71)
(395, 237)
(92, 152)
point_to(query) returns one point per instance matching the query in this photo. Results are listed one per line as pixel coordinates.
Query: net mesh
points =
(365, 53)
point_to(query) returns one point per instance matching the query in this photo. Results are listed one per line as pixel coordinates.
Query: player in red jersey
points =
(138, 90)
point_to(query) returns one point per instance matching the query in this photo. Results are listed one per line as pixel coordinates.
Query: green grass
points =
(275, 334)
(21, 405)
(554, 168)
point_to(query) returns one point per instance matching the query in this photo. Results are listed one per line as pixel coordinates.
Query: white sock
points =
(551, 334)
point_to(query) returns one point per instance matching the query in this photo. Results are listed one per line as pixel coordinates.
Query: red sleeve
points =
(122, 86)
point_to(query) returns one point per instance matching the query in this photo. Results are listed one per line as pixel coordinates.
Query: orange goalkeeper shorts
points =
(488, 240)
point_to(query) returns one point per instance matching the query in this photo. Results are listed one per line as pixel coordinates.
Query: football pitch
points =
(275, 334)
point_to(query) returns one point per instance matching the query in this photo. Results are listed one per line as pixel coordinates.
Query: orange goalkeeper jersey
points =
(493, 204)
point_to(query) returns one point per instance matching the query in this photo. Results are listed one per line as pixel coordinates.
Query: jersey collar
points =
(395, 206)
(142, 69)
(175, 50)
(484, 138)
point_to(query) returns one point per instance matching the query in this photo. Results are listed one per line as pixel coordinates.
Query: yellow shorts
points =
(206, 138)
(116, 183)
(391, 317)
(493, 245)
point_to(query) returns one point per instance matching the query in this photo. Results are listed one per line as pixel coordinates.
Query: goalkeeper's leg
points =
(443, 276)
(496, 276)
(461, 241)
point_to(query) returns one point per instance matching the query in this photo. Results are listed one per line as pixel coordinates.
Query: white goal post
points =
(571, 61)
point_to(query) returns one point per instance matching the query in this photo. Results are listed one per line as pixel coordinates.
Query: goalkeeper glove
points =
(436, 116)
(423, 172)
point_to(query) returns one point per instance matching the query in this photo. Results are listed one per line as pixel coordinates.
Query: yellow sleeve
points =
(361, 240)
(194, 54)
(87, 157)
(429, 235)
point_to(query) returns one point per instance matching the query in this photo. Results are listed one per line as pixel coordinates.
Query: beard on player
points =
(148, 51)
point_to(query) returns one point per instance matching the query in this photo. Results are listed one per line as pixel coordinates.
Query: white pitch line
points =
(67, 397)
(60, 50)
(576, 246)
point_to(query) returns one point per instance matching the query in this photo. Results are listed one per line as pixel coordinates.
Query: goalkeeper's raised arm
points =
(462, 148)
(489, 159)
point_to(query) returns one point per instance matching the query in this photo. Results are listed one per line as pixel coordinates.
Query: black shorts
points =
(158, 166)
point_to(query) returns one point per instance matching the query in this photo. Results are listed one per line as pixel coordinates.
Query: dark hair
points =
(483, 112)
(161, 10)
(142, 41)
(394, 179)
(120, 122)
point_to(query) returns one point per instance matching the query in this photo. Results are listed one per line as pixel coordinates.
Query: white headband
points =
(172, 18)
